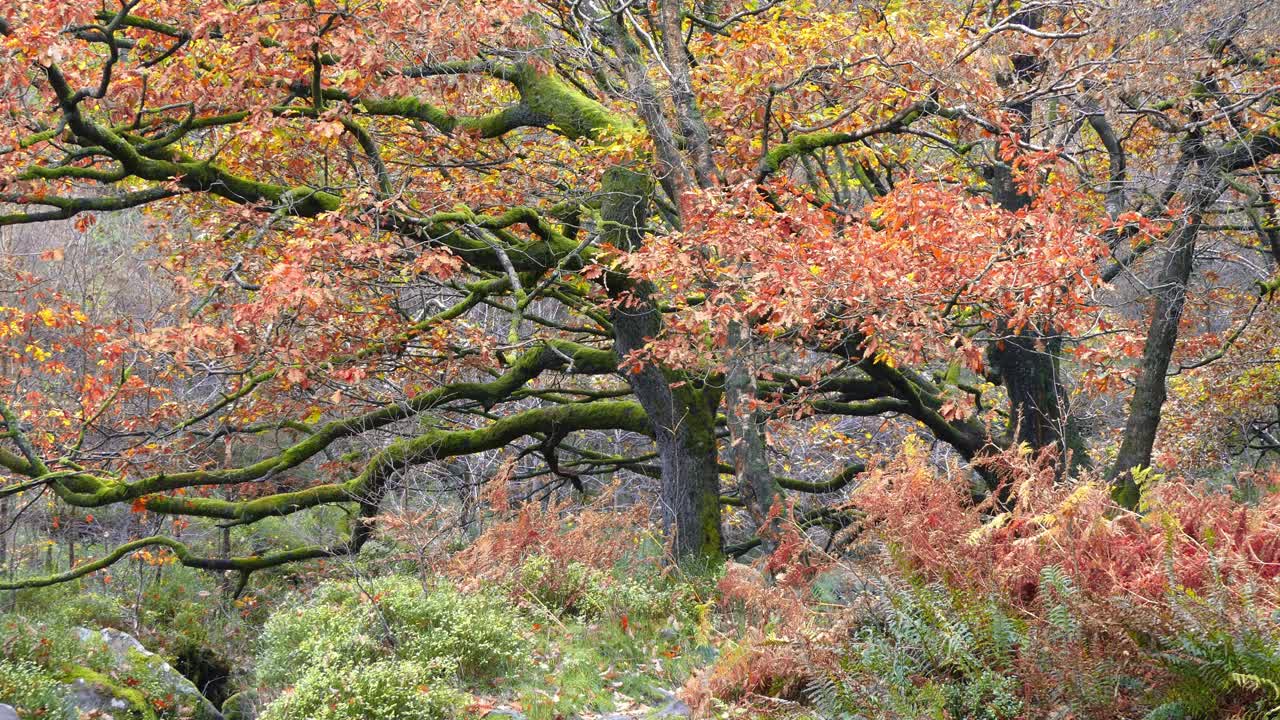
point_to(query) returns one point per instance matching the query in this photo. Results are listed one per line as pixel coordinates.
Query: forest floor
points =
(1060, 607)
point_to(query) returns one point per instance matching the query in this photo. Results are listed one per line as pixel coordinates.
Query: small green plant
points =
(89, 609)
(987, 695)
(1058, 592)
(47, 644)
(1221, 672)
(482, 634)
(30, 690)
(329, 630)
(346, 624)
(388, 690)
(930, 654)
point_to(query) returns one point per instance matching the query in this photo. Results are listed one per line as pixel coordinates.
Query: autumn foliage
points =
(974, 300)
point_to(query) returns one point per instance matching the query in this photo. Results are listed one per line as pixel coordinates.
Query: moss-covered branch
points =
(809, 142)
(366, 488)
(66, 207)
(184, 555)
(86, 490)
(836, 482)
(969, 438)
(14, 431)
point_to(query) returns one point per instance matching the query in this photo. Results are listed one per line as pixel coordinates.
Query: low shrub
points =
(927, 653)
(582, 591)
(30, 690)
(480, 633)
(326, 631)
(385, 690)
(1173, 611)
(346, 624)
(1218, 664)
(1057, 603)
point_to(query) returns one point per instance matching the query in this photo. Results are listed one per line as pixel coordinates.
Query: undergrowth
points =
(1056, 604)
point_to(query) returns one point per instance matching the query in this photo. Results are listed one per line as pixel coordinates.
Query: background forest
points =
(639, 358)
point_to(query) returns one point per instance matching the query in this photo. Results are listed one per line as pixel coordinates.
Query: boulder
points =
(92, 694)
(89, 691)
(7, 712)
(241, 706)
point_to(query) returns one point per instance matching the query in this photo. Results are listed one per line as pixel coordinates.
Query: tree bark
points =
(1029, 367)
(1028, 360)
(756, 483)
(1149, 393)
(683, 422)
(682, 417)
(693, 128)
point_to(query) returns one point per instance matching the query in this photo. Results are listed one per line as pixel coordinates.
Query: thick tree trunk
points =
(1028, 366)
(682, 417)
(690, 496)
(683, 421)
(1027, 360)
(1027, 363)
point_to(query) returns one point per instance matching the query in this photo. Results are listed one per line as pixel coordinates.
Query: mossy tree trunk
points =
(681, 412)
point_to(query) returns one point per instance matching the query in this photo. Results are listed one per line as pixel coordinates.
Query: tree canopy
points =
(654, 240)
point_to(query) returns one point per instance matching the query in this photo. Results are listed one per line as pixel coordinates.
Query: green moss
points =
(574, 114)
(808, 142)
(802, 144)
(411, 107)
(624, 208)
(701, 424)
(139, 708)
(238, 707)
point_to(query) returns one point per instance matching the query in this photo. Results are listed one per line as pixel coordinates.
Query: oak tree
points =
(400, 233)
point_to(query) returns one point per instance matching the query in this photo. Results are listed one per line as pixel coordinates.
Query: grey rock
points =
(241, 706)
(85, 698)
(675, 708)
(7, 712)
(126, 651)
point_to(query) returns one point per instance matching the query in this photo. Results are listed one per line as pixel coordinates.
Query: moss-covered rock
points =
(241, 706)
(93, 694)
(129, 681)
